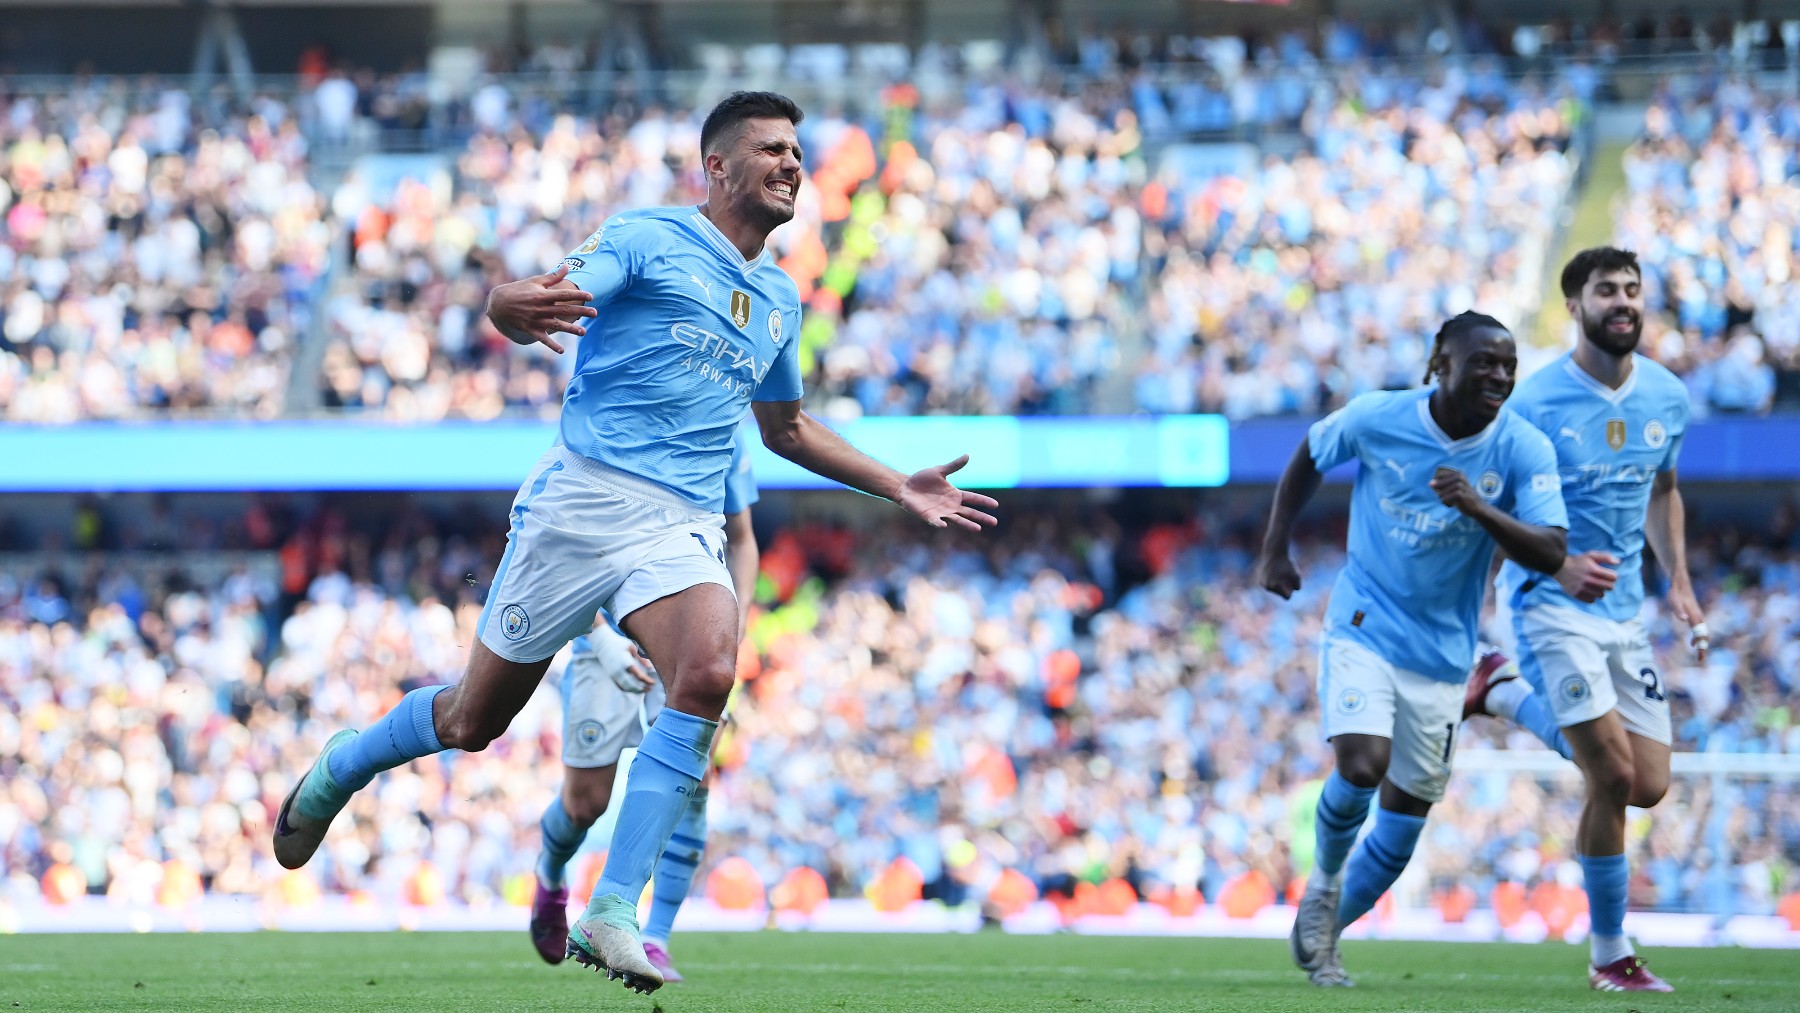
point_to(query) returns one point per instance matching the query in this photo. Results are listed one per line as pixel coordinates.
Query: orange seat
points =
(735, 886)
(802, 890)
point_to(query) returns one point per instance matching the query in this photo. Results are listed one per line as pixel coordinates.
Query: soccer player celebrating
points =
(609, 701)
(695, 325)
(1616, 419)
(1443, 476)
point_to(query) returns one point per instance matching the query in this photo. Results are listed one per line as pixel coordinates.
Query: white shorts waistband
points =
(624, 483)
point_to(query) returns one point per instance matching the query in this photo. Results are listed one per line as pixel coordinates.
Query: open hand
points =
(531, 310)
(929, 496)
(1589, 576)
(1686, 606)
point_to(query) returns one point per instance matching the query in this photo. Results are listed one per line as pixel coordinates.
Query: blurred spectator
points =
(151, 261)
(970, 706)
(1711, 209)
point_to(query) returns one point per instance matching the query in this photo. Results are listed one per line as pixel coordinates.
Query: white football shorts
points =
(1585, 665)
(586, 537)
(600, 719)
(1361, 693)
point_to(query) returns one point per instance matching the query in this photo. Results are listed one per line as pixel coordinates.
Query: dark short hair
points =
(745, 105)
(1463, 323)
(1604, 259)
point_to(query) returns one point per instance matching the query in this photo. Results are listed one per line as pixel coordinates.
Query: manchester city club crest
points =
(1489, 485)
(1615, 434)
(1352, 701)
(1575, 689)
(1654, 434)
(740, 308)
(775, 325)
(514, 622)
(587, 733)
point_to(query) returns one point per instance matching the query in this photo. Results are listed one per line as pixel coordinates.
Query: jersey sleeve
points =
(1677, 432)
(1538, 499)
(782, 382)
(1337, 437)
(607, 261)
(740, 480)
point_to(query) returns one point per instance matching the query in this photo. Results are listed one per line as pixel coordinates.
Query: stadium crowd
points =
(1073, 701)
(1711, 206)
(159, 257)
(999, 242)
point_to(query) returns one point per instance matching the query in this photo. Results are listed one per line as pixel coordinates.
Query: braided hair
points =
(1460, 324)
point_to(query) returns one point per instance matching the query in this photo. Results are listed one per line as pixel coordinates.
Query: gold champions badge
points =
(1615, 434)
(740, 311)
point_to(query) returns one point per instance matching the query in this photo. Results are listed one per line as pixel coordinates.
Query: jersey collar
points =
(1437, 432)
(1597, 388)
(716, 239)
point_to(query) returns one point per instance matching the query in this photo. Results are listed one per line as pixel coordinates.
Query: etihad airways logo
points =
(736, 369)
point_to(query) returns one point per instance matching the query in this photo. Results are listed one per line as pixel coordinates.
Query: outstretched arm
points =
(927, 495)
(1665, 527)
(1275, 569)
(1534, 546)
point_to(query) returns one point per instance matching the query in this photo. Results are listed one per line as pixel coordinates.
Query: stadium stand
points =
(1710, 204)
(977, 243)
(1076, 703)
(160, 260)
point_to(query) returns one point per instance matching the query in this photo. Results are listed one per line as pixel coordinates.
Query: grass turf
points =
(468, 972)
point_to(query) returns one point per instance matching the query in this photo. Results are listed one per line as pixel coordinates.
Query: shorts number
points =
(719, 555)
(1652, 684)
(1449, 739)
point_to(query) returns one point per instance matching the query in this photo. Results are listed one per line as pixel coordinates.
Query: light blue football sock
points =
(402, 734)
(562, 838)
(1515, 701)
(1606, 878)
(1343, 808)
(668, 768)
(1378, 862)
(1536, 717)
(674, 877)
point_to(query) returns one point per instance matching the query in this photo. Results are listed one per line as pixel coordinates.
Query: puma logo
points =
(1399, 469)
(704, 286)
(1571, 434)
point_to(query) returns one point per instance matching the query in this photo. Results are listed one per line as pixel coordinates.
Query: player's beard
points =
(1617, 345)
(752, 200)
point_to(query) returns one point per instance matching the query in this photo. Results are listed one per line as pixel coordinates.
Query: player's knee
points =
(1647, 789)
(704, 687)
(1363, 771)
(586, 803)
(1613, 779)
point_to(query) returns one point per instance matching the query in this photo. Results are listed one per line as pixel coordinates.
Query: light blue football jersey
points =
(740, 479)
(688, 334)
(1416, 569)
(1610, 446)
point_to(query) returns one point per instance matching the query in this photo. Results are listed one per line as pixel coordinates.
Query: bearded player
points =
(1591, 689)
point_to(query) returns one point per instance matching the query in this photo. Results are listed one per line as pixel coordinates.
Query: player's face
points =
(1483, 365)
(1611, 311)
(760, 171)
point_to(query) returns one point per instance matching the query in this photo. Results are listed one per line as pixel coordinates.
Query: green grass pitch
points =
(471, 972)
